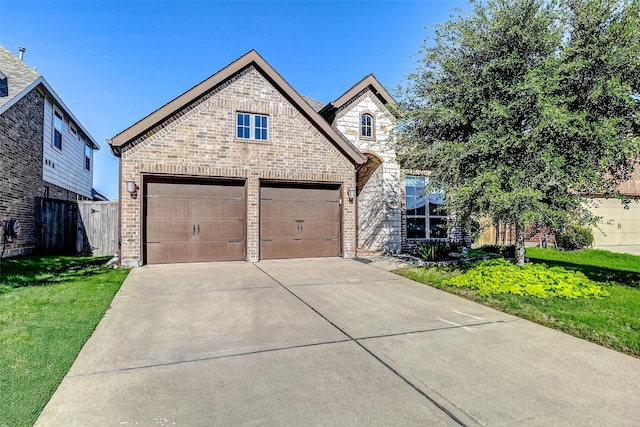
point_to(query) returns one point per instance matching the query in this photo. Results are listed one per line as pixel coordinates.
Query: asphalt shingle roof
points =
(314, 103)
(19, 75)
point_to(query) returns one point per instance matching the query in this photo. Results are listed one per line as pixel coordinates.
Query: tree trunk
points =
(519, 244)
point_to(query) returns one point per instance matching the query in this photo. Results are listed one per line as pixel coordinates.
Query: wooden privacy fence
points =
(98, 224)
(83, 227)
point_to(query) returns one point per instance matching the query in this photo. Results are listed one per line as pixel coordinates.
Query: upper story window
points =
(57, 130)
(252, 126)
(366, 126)
(4, 86)
(88, 153)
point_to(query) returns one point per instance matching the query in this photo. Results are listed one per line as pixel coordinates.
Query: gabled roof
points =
(22, 79)
(370, 82)
(252, 58)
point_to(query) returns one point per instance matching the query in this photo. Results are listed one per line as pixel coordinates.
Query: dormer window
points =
(366, 126)
(4, 86)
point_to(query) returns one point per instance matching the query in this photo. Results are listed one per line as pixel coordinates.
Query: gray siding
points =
(65, 168)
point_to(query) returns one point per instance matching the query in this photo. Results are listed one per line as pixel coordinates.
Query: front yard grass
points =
(49, 307)
(610, 321)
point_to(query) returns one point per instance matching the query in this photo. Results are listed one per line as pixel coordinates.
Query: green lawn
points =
(612, 321)
(596, 264)
(49, 306)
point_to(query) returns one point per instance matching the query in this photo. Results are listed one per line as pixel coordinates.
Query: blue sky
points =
(115, 62)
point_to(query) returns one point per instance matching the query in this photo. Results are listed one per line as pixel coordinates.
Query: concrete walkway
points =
(329, 342)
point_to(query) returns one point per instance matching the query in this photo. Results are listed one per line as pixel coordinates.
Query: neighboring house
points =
(619, 225)
(242, 167)
(46, 152)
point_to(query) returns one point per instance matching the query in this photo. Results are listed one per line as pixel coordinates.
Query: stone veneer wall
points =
(200, 141)
(21, 133)
(380, 201)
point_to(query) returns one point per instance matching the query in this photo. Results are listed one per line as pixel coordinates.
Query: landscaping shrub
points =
(499, 276)
(575, 237)
(434, 250)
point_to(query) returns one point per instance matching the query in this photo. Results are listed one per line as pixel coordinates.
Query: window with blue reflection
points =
(252, 126)
(244, 126)
(425, 213)
(366, 126)
(261, 127)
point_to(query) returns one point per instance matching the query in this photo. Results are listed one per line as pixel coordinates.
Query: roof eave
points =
(41, 81)
(250, 58)
(368, 81)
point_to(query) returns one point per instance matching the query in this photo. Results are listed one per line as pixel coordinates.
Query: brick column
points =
(253, 217)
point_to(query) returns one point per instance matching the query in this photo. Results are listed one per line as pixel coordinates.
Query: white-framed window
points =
(57, 130)
(88, 154)
(73, 130)
(366, 125)
(425, 213)
(252, 126)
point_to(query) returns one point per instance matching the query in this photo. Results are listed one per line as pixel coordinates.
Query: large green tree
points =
(521, 107)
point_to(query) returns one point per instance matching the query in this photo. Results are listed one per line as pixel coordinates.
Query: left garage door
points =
(194, 222)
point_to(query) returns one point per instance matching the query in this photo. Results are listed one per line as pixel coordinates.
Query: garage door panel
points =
(297, 222)
(222, 208)
(321, 211)
(220, 250)
(224, 229)
(321, 229)
(299, 194)
(300, 229)
(619, 226)
(194, 221)
(297, 248)
(168, 229)
(274, 228)
(166, 206)
(221, 192)
(297, 210)
(169, 252)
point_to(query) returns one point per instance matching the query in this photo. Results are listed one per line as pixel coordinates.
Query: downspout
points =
(120, 210)
(117, 151)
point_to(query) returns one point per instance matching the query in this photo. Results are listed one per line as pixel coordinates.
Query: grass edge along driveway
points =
(49, 307)
(612, 321)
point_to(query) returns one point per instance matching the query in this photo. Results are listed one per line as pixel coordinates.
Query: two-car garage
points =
(196, 220)
(239, 167)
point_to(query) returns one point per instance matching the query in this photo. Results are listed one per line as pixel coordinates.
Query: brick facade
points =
(199, 141)
(631, 187)
(21, 136)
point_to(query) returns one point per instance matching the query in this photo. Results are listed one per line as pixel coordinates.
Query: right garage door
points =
(299, 221)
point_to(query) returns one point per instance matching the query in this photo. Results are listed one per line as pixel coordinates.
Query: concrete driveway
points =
(329, 342)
